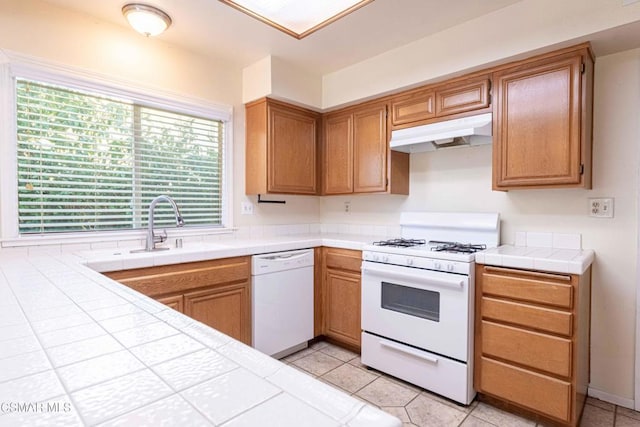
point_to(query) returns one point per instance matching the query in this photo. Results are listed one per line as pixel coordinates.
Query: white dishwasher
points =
(282, 301)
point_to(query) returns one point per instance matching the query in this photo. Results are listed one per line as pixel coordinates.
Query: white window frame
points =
(14, 66)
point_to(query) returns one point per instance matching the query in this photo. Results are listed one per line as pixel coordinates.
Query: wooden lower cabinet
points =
(532, 342)
(225, 308)
(341, 284)
(174, 301)
(216, 293)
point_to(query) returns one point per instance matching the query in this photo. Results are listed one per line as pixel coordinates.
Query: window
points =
(88, 161)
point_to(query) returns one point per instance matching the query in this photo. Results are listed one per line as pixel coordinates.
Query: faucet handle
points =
(159, 238)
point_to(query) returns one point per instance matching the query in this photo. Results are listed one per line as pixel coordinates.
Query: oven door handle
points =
(409, 351)
(414, 277)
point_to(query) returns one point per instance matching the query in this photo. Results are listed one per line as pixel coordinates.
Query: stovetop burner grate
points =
(401, 243)
(455, 247)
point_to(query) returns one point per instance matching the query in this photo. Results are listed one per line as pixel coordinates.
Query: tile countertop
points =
(81, 349)
(122, 259)
(555, 260)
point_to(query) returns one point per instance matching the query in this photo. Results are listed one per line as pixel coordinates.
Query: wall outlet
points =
(601, 207)
(247, 208)
(347, 207)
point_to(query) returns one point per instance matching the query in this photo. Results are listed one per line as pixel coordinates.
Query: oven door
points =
(423, 308)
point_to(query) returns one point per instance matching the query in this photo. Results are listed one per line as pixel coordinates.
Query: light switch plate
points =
(601, 207)
(247, 208)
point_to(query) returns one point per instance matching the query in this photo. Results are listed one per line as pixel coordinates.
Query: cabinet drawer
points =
(344, 260)
(462, 97)
(534, 287)
(155, 281)
(544, 319)
(539, 351)
(414, 107)
(438, 374)
(531, 390)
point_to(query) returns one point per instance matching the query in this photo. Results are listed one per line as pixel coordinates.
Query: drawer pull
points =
(528, 273)
(410, 352)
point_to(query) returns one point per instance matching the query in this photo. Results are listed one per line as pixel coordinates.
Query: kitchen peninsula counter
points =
(81, 349)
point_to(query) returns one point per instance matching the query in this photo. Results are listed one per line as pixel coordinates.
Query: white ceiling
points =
(214, 29)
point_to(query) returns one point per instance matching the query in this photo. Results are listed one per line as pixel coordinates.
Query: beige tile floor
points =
(415, 406)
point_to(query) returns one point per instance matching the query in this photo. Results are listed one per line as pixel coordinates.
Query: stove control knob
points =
(450, 267)
(376, 258)
(385, 258)
(437, 266)
(409, 261)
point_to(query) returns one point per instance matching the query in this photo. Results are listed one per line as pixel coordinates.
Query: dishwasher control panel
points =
(281, 261)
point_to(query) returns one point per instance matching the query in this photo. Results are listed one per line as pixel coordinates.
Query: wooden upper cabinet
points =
(434, 103)
(542, 122)
(461, 97)
(370, 149)
(413, 107)
(338, 154)
(356, 155)
(281, 147)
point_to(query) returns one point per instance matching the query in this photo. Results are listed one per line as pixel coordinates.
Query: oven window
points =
(411, 301)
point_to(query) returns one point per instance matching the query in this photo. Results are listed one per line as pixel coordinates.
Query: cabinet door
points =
(225, 308)
(174, 301)
(537, 124)
(342, 306)
(291, 151)
(338, 154)
(461, 97)
(370, 149)
(414, 107)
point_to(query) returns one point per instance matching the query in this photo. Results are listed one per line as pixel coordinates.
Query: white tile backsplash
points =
(540, 240)
(548, 240)
(567, 241)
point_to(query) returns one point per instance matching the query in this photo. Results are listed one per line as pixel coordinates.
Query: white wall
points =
(38, 29)
(460, 180)
(518, 29)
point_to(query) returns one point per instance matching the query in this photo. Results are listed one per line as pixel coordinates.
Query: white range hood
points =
(472, 130)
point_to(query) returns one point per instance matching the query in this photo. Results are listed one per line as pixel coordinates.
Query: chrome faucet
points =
(152, 239)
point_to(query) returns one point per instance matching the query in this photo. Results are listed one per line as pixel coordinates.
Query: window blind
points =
(88, 162)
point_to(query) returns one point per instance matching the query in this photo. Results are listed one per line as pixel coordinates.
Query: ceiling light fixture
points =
(146, 19)
(298, 18)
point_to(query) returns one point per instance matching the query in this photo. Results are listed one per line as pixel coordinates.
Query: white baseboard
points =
(611, 398)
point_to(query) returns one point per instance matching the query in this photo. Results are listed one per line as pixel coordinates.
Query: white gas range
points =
(417, 300)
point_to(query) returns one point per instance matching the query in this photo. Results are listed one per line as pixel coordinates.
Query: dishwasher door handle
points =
(280, 257)
(288, 257)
